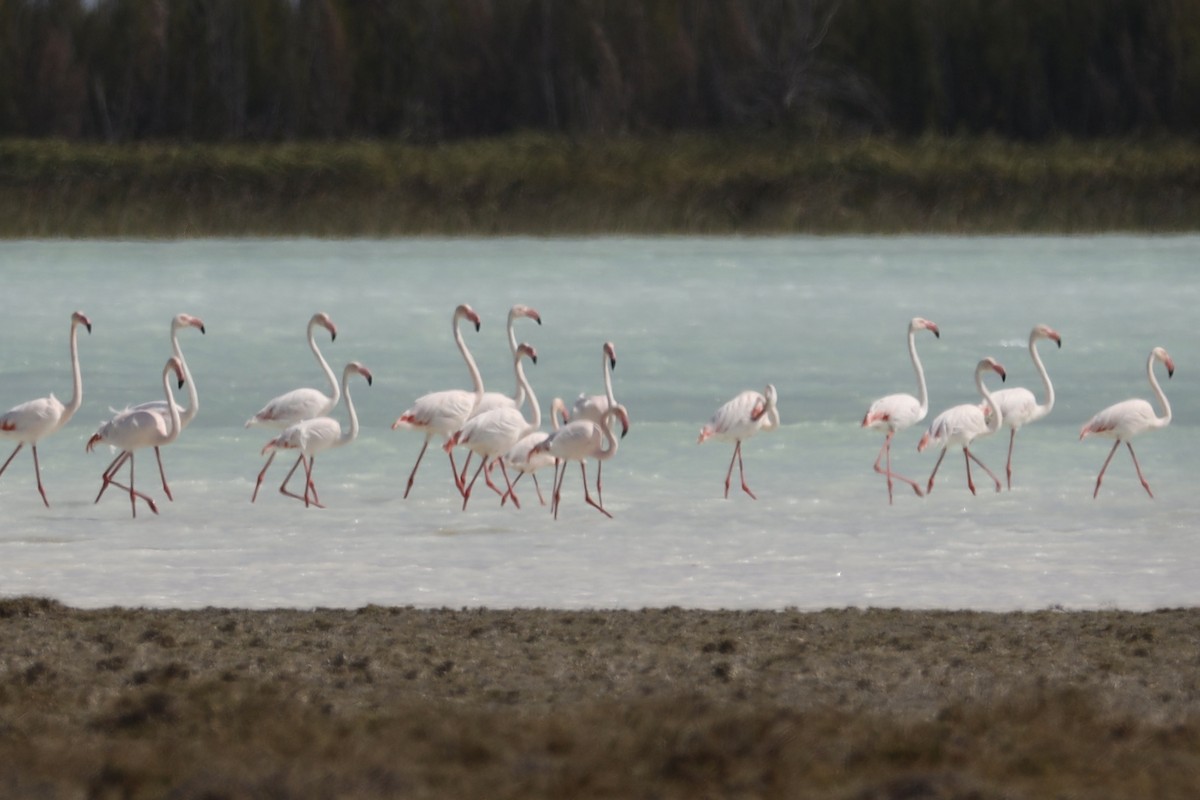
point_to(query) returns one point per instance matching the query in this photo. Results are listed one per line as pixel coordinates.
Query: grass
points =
(542, 185)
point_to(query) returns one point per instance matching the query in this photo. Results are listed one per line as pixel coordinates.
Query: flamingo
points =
(592, 407)
(1017, 405)
(895, 412)
(739, 419)
(580, 440)
(525, 462)
(33, 420)
(178, 322)
(964, 423)
(300, 404)
(445, 412)
(492, 400)
(492, 433)
(131, 429)
(316, 435)
(1127, 419)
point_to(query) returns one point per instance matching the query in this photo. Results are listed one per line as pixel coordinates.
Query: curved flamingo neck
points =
(335, 389)
(351, 434)
(1164, 420)
(523, 383)
(76, 377)
(558, 408)
(519, 392)
(1044, 408)
(922, 391)
(608, 390)
(172, 408)
(995, 420)
(189, 413)
(606, 453)
(476, 378)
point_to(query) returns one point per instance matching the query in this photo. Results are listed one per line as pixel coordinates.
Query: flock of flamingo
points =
(492, 425)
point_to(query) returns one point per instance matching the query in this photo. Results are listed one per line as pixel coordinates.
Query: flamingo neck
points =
(772, 415)
(335, 389)
(922, 392)
(608, 390)
(519, 392)
(476, 378)
(189, 413)
(608, 452)
(76, 377)
(995, 420)
(1165, 419)
(172, 408)
(1044, 408)
(523, 383)
(351, 434)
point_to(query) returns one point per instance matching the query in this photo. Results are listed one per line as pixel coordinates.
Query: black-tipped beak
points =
(533, 359)
(202, 329)
(88, 325)
(370, 381)
(181, 382)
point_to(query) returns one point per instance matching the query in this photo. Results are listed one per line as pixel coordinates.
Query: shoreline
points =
(671, 702)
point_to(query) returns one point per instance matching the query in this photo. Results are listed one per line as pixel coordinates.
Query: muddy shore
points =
(670, 703)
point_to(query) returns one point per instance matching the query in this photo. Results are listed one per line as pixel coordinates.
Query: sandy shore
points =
(400, 702)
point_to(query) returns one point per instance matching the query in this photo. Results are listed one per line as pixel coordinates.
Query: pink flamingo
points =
(593, 407)
(492, 400)
(895, 412)
(444, 413)
(963, 424)
(580, 440)
(178, 323)
(1017, 405)
(492, 433)
(131, 430)
(312, 436)
(31, 421)
(521, 458)
(1127, 419)
(299, 404)
(739, 419)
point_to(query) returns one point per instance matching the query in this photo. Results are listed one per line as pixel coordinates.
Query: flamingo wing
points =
(31, 420)
(1120, 421)
(1017, 406)
(295, 406)
(439, 412)
(895, 411)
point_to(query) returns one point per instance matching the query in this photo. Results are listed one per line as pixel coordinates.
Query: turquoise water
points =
(695, 321)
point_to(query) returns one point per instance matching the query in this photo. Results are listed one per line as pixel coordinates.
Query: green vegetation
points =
(543, 185)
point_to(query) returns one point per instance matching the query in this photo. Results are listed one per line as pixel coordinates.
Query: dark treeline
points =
(426, 70)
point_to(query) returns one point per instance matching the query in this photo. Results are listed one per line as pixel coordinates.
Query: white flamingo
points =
(963, 424)
(492, 433)
(444, 413)
(300, 404)
(312, 436)
(593, 407)
(525, 462)
(1017, 405)
(580, 440)
(738, 420)
(178, 323)
(31, 421)
(131, 430)
(895, 412)
(1127, 419)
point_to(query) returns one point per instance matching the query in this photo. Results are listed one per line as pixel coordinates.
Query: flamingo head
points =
(1046, 332)
(922, 324)
(92, 442)
(610, 352)
(79, 318)
(559, 406)
(526, 349)
(1161, 355)
(994, 365)
(187, 321)
(322, 319)
(620, 411)
(524, 311)
(771, 395)
(356, 366)
(466, 312)
(174, 363)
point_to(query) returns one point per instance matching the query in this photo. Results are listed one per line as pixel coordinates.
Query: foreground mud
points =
(672, 703)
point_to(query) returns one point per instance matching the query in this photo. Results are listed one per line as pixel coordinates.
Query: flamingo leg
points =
(1138, 467)
(412, 475)
(309, 486)
(967, 459)
(729, 472)
(162, 474)
(11, 457)
(487, 477)
(742, 472)
(107, 476)
(586, 495)
(458, 484)
(133, 493)
(1100, 477)
(262, 473)
(560, 471)
(510, 493)
(283, 486)
(983, 466)
(929, 487)
(37, 470)
(886, 451)
(599, 486)
(1012, 437)
(536, 485)
(462, 475)
(466, 492)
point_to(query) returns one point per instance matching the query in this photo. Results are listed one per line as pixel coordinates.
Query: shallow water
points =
(694, 320)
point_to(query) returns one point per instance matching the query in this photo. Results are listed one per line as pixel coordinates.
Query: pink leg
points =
(599, 487)
(1100, 477)
(458, 483)
(886, 450)
(729, 472)
(586, 495)
(133, 493)
(163, 474)
(983, 466)
(309, 486)
(513, 494)
(1138, 467)
(929, 487)
(742, 472)
(37, 470)
(11, 457)
(107, 476)
(1012, 437)
(510, 492)
(413, 475)
(466, 492)
(560, 471)
(307, 476)
(462, 475)
(536, 485)
(262, 473)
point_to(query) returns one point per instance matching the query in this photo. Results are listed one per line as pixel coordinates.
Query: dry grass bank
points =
(663, 703)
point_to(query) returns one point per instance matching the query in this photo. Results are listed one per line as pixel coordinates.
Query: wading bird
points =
(738, 420)
(960, 425)
(1017, 405)
(580, 440)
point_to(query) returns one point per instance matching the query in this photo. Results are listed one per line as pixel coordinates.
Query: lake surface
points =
(694, 321)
